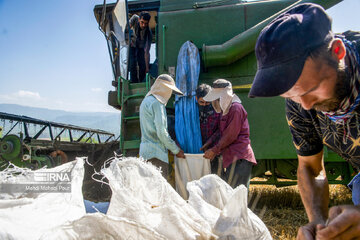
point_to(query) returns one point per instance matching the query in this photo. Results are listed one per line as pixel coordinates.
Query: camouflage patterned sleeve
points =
(306, 139)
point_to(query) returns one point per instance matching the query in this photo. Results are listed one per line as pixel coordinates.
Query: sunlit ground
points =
(281, 209)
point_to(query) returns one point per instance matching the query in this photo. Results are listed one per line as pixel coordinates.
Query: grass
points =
(281, 209)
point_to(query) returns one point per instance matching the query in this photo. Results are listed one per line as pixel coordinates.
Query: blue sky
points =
(52, 54)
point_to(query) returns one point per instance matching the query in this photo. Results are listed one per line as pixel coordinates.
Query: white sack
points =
(193, 167)
(143, 206)
(98, 226)
(226, 209)
(142, 195)
(29, 217)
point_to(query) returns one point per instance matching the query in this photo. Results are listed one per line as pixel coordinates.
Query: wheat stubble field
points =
(281, 208)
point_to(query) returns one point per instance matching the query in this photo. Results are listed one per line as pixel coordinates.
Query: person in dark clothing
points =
(234, 143)
(140, 44)
(209, 124)
(318, 73)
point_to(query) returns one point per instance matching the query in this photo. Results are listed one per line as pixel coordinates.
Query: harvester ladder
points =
(130, 96)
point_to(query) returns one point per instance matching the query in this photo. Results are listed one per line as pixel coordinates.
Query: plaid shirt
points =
(234, 143)
(209, 125)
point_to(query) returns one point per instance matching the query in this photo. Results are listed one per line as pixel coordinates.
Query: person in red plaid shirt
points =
(209, 123)
(234, 143)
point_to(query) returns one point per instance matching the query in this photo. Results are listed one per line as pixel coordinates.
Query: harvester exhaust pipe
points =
(244, 43)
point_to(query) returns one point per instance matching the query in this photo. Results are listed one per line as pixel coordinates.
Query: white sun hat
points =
(222, 89)
(163, 87)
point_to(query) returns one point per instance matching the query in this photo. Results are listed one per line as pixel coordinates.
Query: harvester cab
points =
(225, 33)
(113, 20)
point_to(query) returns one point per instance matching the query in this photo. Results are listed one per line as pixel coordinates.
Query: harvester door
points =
(114, 25)
(120, 21)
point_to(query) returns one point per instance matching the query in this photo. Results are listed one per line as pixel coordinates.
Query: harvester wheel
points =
(10, 148)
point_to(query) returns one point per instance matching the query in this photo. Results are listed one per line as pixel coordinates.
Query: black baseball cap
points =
(284, 45)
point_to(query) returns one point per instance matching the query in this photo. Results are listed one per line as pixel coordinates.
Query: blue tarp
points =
(92, 207)
(354, 185)
(187, 123)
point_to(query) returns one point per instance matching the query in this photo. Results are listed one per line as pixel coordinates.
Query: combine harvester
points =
(225, 32)
(33, 143)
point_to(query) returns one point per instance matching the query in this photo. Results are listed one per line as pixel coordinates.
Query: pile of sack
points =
(143, 206)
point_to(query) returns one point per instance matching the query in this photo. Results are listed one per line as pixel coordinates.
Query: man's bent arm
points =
(147, 59)
(147, 51)
(313, 187)
(160, 121)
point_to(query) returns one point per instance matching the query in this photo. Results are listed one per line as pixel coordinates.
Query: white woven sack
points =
(193, 167)
(29, 217)
(226, 209)
(140, 194)
(98, 226)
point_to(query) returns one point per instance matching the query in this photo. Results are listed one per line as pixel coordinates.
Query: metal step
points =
(139, 95)
(133, 144)
(132, 117)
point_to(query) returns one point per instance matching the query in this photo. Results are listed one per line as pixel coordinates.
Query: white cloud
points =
(20, 96)
(34, 99)
(96, 89)
(28, 94)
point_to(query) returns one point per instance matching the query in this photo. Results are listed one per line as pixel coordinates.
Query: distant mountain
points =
(96, 120)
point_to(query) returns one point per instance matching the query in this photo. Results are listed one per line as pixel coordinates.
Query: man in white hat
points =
(155, 139)
(234, 143)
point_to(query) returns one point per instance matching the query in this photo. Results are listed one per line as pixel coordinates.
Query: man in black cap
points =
(300, 59)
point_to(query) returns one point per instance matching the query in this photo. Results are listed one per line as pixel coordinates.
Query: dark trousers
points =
(137, 58)
(239, 172)
(163, 165)
(217, 166)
